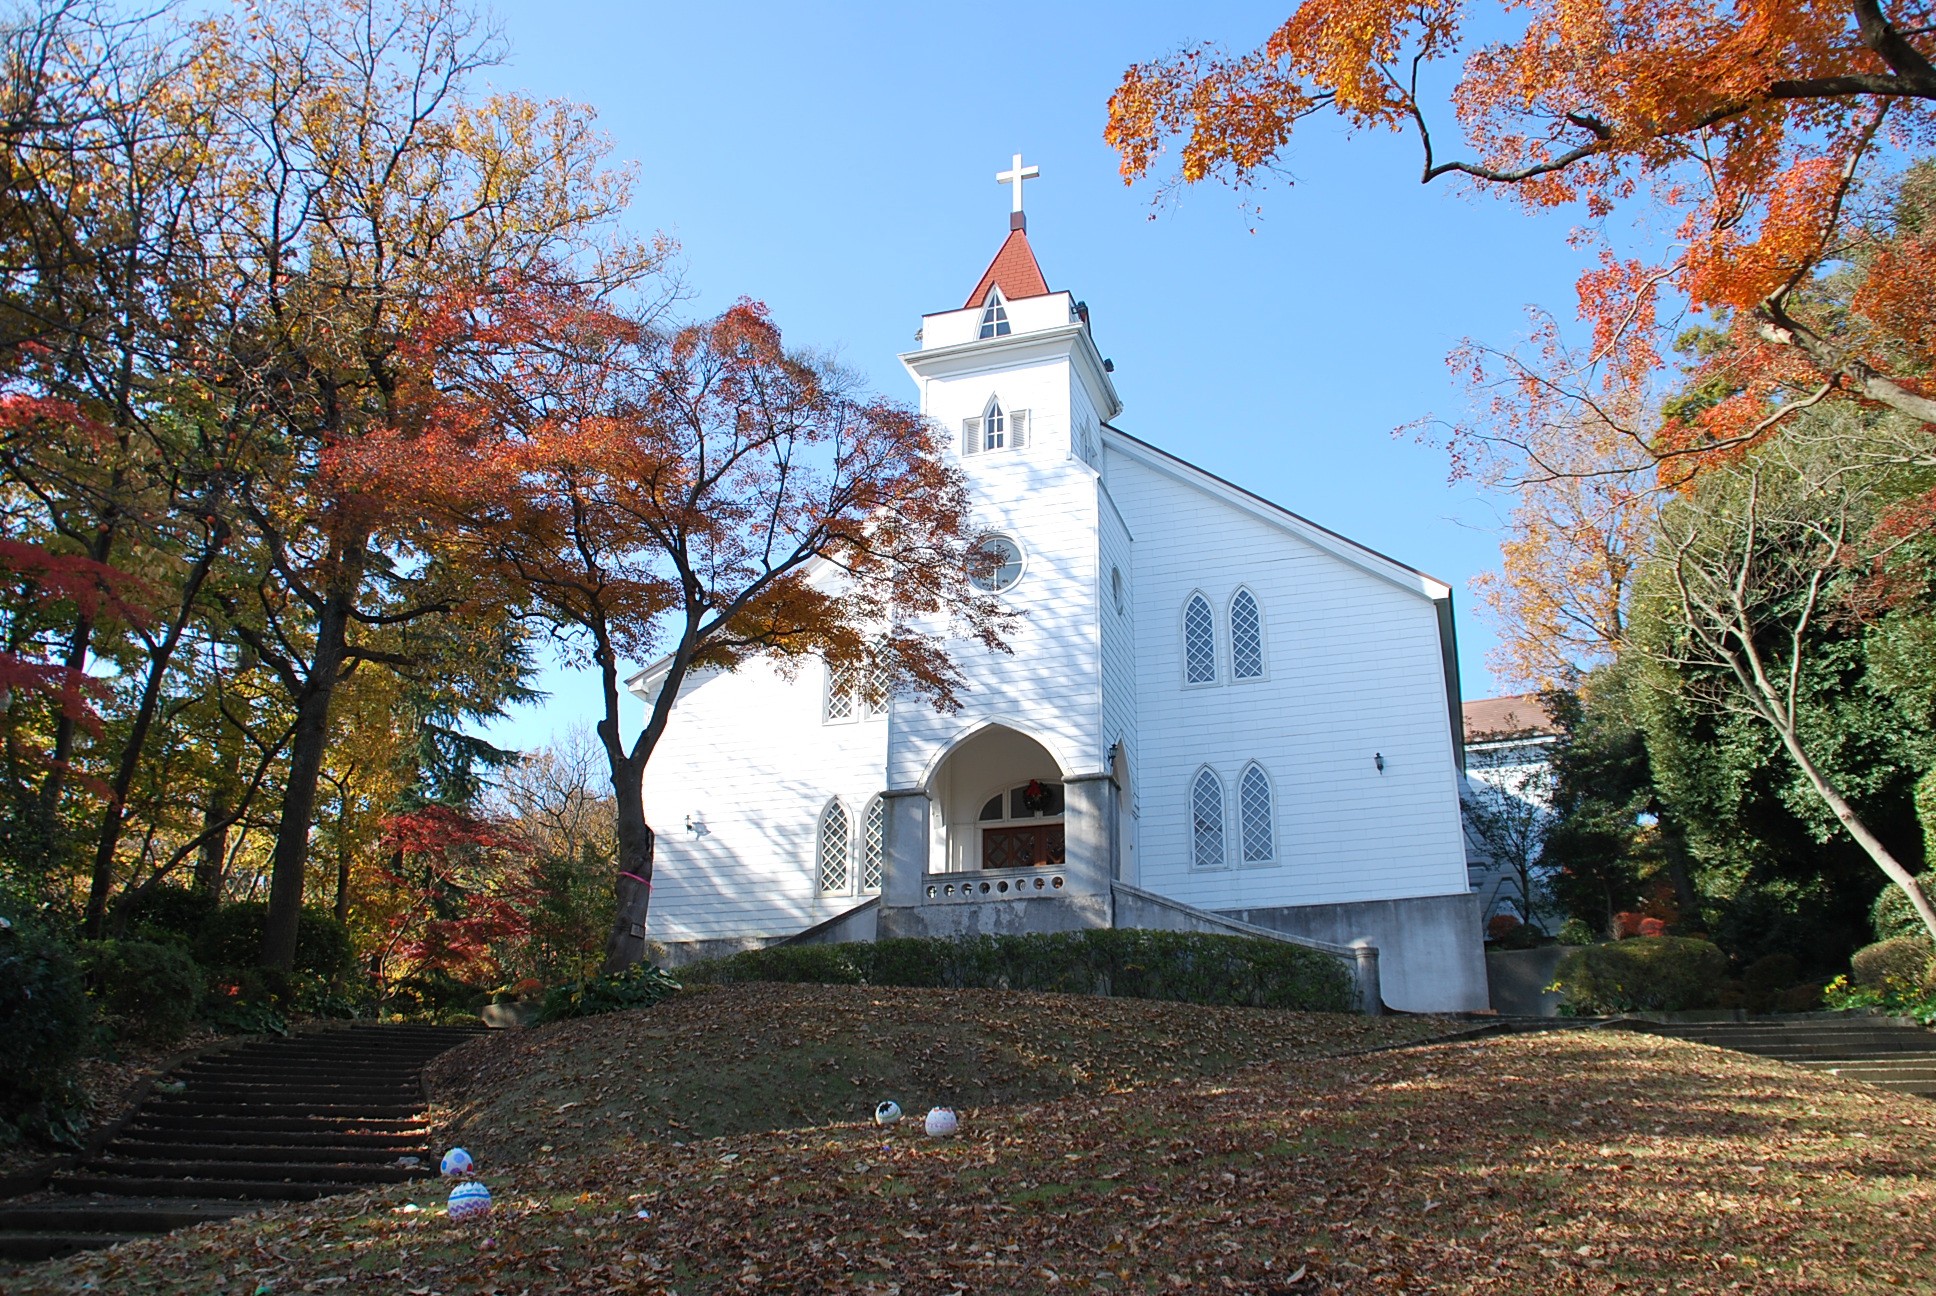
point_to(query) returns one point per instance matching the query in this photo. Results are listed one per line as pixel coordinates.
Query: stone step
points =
(1831, 1049)
(182, 1150)
(269, 1171)
(411, 1126)
(29, 1248)
(283, 1110)
(245, 1189)
(1734, 1039)
(219, 1135)
(115, 1215)
(386, 1074)
(305, 1092)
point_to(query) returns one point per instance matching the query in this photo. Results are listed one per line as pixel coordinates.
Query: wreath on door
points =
(1035, 797)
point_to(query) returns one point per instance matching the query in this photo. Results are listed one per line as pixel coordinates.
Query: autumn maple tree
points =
(696, 493)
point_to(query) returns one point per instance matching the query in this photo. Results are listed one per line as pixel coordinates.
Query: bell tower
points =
(1013, 378)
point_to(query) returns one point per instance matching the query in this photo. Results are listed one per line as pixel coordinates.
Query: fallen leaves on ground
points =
(742, 1058)
(1583, 1161)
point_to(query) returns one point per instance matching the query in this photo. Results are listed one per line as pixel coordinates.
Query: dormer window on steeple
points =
(994, 426)
(994, 318)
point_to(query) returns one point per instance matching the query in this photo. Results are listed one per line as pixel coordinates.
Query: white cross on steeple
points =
(1014, 176)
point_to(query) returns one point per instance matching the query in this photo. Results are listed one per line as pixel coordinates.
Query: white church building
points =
(1218, 715)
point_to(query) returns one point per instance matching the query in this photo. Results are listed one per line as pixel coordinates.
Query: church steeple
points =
(1013, 270)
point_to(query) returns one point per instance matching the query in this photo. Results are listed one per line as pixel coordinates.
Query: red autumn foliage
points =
(463, 893)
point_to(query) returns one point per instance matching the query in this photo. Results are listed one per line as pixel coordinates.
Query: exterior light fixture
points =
(1378, 759)
(696, 825)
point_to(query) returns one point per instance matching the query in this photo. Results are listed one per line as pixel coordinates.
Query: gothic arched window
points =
(1254, 816)
(1206, 820)
(1199, 642)
(1246, 637)
(873, 846)
(994, 316)
(834, 847)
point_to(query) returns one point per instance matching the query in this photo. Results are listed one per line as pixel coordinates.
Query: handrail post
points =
(1371, 995)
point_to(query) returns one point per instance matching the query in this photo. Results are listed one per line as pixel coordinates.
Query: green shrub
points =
(1902, 961)
(1129, 963)
(44, 1024)
(231, 938)
(151, 991)
(1575, 932)
(1894, 916)
(1645, 973)
(639, 986)
(170, 914)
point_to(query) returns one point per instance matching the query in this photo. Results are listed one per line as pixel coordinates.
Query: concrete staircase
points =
(328, 1112)
(1883, 1051)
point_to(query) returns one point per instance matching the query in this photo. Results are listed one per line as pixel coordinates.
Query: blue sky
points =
(838, 163)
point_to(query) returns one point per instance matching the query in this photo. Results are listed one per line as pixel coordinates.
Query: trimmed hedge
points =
(232, 939)
(1643, 973)
(1902, 961)
(1184, 967)
(151, 990)
(639, 986)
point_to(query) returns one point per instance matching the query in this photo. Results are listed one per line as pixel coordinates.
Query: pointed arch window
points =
(873, 847)
(1206, 820)
(1246, 637)
(1199, 642)
(994, 316)
(1255, 818)
(834, 847)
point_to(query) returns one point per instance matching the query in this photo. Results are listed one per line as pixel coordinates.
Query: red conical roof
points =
(1013, 270)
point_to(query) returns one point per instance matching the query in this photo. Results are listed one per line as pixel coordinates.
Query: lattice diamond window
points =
(834, 843)
(1206, 813)
(878, 691)
(1199, 642)
(1254, 808)
(1246, 638)
(873, 846)
(841, 692)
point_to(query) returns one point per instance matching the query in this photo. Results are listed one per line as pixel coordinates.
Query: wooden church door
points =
(1022, 827)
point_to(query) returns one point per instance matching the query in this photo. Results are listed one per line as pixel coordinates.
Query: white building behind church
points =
(1217, 714)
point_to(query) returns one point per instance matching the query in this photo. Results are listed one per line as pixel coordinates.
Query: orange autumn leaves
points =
(1747, 126)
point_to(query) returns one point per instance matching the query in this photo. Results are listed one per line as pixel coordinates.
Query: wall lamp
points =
(1378, 759)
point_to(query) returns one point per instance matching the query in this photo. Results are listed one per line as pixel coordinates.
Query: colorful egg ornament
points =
(887, 1113)
(942, 1122)
(456, 1162)
(469, 1200)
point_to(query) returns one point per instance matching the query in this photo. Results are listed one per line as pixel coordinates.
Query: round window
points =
(996, 564)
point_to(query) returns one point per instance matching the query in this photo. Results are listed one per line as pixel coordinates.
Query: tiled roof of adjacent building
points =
(1013, 270)
(1518, 715)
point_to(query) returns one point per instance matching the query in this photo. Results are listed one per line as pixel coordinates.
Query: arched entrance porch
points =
(1001, 804)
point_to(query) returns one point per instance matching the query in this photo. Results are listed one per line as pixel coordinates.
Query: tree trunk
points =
(212, 857)
(1881, 854)
(55, 783)
(342, 864)
(626, 945)
(308, 744)
(115, 815)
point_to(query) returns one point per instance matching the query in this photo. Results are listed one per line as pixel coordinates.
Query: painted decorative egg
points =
(887, 1113)
(457, 1162)
(942, 1122)
(469, 1200)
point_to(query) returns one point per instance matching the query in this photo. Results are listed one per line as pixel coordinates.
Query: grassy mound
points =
(1578, 1162)
(742, 1058)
